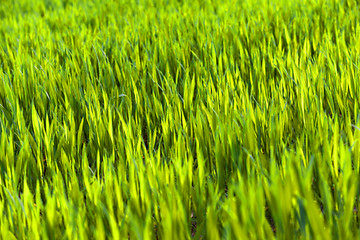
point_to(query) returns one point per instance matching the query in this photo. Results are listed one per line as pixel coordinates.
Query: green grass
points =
(154, 119)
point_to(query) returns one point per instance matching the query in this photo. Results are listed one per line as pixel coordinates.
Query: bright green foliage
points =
(177, 119)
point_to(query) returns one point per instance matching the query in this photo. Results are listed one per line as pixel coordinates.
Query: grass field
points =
(202, 119)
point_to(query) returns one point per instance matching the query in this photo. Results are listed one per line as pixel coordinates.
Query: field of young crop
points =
(165, 119)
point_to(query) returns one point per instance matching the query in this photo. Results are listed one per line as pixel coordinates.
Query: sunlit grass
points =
(179, 119)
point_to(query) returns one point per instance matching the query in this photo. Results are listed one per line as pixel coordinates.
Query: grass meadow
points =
(179, 119)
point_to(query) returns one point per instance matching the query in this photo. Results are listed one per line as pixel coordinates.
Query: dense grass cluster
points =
(155, 119)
